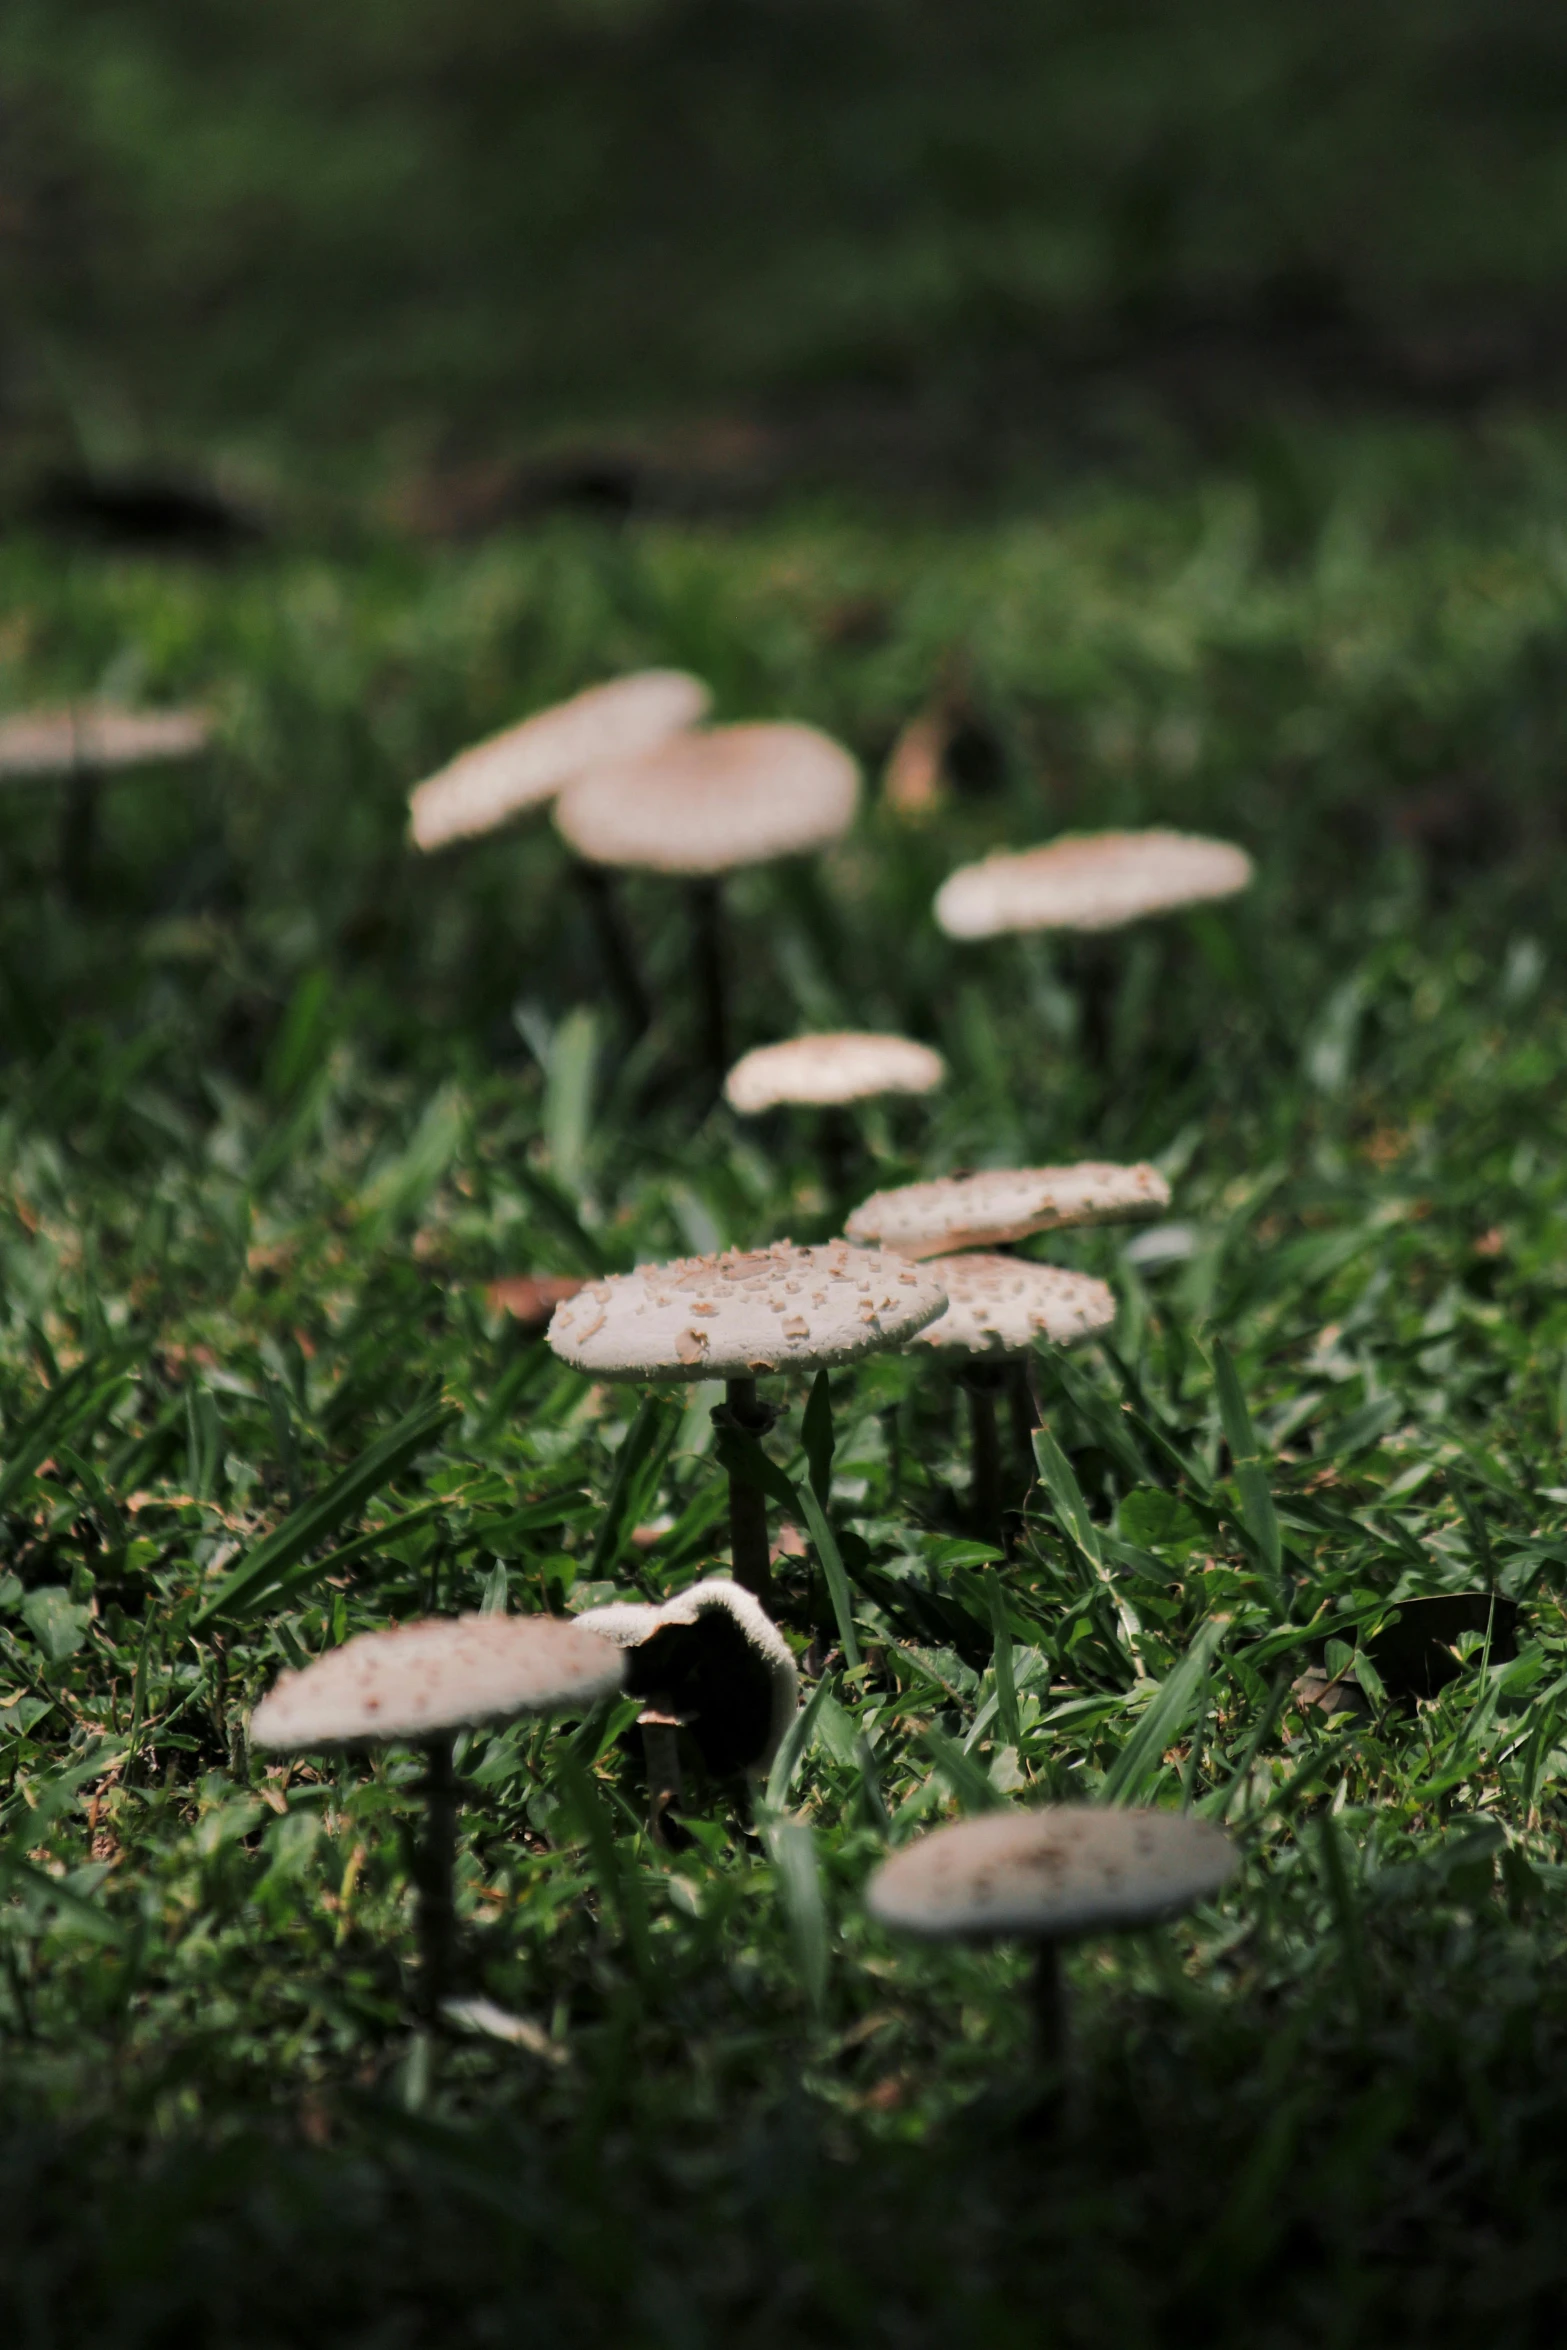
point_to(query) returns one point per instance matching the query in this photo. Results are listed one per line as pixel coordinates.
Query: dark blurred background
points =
(472, 254)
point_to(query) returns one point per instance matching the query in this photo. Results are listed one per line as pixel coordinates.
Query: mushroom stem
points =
(1047, 1999)
(707, 946)
(980, 1384)
(661, 1757)
(838, 1141)
(1025, 1419)
(614, 944)
(434, 1870)
(79, 832)
(747, 1503)
(1093, 966)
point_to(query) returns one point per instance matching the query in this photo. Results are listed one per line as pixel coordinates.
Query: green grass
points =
(280, 1102)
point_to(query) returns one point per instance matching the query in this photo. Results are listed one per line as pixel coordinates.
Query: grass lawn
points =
(277, 1103)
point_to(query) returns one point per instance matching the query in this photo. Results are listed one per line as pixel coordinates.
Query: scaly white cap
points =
(447, 1673)
(1089, 881)
(705, 803)
(846, 1065)
(746, 1313)
(1005, 1305)
(1063, 1870)
(525, 765)
(1005, 1203)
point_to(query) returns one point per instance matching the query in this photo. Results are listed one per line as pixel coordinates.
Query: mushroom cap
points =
(717, 1659)
(1004, 1203)
(447, 1673)
(746, 1312)
(706, 803)
(525, 765)
(98, 734)
(1005, 1305)
(1089, 881)
(1060, 1870)
(847, 1065)
(531, 1298)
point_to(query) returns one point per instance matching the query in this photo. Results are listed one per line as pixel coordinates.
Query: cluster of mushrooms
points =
(637, 781)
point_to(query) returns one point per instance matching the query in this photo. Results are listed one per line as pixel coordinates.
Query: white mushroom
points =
(702, 805)
(740, 1316)
(710, 1661)
(830, 1070)
(1004, 1203)
(1051, 1875)
(1089, 881)
(417, 1684)
(524, 766)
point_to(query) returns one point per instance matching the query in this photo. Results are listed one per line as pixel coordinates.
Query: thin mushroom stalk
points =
(707, 950)
(981, 1383)
(599, 896)
(660, 1729)
(749, 1549)
(435, 1868)
(79, 831)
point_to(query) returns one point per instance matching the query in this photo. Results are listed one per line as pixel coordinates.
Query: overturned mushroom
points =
(710, 1662)
(738, 1317)
(84, 742)
(703, 805)
(1048, 1876)
(997, 1308)
(417, 1685)
(1004, 1203)
(521, 769)
(828, 1072)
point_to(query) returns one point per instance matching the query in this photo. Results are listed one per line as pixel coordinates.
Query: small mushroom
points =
(521, 769)
(417, 1685)
(741, 1316)
(84, 742)
(1004, 1203)
(703, 805)
(997, 1309)
(531, 1298)
(711, 1662)
(1090, 882)
(828, 1072)
(1048, 1876)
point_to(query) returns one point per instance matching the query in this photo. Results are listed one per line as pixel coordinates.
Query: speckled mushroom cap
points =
(1005, 1305)
(744, 1313)
(98, 734)
(450, 1673)
(1004, 1203)
(525, 765)
(1061, 1870)
(846, 1065)
(706, 803)
(1089, 881)
(737, 1693)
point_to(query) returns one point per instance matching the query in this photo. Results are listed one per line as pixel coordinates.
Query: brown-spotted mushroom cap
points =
(1005, 1305)
(98, 735)
(1089, 881)
(525, 765)
(453, 1673)
(847, 1065)
(746, 1313)
(1004, 1203)
(1062, 1870)
(715, 1657)
(706, 803)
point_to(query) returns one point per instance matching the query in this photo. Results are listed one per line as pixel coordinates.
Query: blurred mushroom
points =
(417, 1685)
(1090, 882)
(531, 1298)
(711, 1662)
(828, 1072)
(521, 769)
(1050, 1876)
(740, 1316)
(84, 742)
(997, 1308)
(703, 805)
(1005, 1203)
